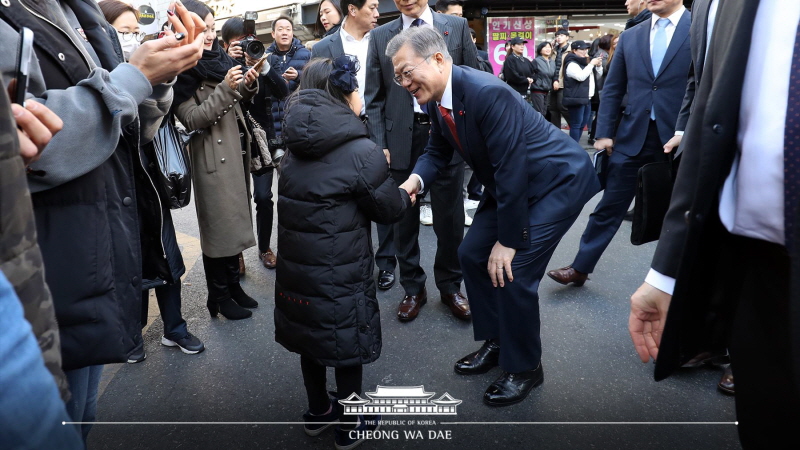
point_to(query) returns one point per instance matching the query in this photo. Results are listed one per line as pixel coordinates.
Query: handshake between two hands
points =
(411, 185)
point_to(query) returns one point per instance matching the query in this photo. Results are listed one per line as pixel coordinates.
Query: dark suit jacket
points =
(632, 72)
(667, 257)
(697, 36)
(390, 108)
(531, 171)
(692, 222)
(329, 47)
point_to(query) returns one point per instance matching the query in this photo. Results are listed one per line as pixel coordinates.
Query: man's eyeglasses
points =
(128, 35)
(406, 75)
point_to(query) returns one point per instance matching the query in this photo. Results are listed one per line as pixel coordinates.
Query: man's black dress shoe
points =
(481, 361)
(385, 280)
(512, 388)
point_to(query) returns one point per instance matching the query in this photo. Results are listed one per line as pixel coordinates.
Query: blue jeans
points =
(169, 304)
(579, 117)
(31, 410)
(83, 384)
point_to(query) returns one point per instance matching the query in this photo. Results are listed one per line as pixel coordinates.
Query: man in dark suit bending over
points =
(536, 182)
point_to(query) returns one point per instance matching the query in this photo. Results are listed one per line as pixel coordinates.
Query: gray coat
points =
(220, 168)
(543, 78)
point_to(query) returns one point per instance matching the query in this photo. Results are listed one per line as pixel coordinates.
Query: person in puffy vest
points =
(579, 87)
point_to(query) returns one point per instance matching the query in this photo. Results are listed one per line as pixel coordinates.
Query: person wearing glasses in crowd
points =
(536, 182)
(124, 18)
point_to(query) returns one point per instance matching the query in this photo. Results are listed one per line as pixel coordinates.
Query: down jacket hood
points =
(315, 124)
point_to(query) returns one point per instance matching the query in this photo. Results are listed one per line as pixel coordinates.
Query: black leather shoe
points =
(512, 388)
(481, 361)
(385, 280)
(628, 216)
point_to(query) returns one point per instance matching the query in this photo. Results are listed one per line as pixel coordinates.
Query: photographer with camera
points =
(238, 30)
(288, 56)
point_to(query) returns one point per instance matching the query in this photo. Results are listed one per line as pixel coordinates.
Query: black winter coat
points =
(297, 56)
(334, 181)
(516, 71)
(88, 228)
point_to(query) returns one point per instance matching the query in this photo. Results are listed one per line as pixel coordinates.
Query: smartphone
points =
(150, 37)
(24, 55)
(258, 65)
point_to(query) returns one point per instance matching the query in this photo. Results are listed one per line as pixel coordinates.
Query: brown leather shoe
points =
(458, 304)
(410, 306)
(725, 384)
(268, 259)
(567, 275)
(242, 268)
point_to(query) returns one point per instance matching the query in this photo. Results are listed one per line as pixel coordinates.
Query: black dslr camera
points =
(250, 45)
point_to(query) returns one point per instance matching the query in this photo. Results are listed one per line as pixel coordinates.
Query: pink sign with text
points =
(502, 29)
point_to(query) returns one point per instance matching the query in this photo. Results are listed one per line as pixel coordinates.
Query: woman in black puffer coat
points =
(334, 181)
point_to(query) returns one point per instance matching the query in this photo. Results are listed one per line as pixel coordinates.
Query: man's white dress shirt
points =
(360, 49)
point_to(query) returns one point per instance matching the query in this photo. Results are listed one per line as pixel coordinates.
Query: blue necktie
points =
(791, 148)
(417, 23)
(659, 50)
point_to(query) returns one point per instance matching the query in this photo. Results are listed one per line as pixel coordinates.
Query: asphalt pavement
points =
(246, 391)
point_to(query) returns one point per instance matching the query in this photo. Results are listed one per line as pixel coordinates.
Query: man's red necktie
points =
(450, 124)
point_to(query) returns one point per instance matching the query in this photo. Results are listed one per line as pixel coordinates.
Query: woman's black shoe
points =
(236, 292)
(229, 309)
(481, 361)
(512, 388)
(241, 298)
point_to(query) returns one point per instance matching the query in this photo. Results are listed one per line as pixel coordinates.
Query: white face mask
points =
(128, 47)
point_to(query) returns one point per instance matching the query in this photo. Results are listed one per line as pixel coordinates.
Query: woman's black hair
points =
(593, 48)
(316, 75)
(605, 42)
(319, 30)
(541, 46)
(199, 8)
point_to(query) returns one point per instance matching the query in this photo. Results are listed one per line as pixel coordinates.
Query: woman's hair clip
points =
(344, 72)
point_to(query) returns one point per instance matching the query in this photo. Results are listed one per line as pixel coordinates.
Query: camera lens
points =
(255, 49)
